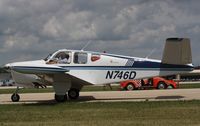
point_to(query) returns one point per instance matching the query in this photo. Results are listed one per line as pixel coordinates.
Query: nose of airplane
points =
(7, 67)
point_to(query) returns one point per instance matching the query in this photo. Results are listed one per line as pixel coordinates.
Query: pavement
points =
(110, 96)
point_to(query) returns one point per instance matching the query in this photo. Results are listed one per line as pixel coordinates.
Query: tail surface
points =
(177, 51)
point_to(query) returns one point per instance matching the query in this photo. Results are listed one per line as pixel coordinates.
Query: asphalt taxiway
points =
(110, 96)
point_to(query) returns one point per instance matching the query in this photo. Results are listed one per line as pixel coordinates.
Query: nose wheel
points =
(15, 96)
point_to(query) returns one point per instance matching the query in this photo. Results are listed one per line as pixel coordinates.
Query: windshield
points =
(45, 59)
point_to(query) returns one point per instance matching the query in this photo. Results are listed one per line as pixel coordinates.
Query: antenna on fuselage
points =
(152, 51)
(86, 45)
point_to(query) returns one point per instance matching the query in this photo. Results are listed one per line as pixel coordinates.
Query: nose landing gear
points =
(15, 96)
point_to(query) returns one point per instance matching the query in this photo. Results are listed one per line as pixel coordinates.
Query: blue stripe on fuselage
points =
(121, 68)
(149, 64)
(138, 65)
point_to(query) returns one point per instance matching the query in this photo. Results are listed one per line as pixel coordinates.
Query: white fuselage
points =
(96, 68)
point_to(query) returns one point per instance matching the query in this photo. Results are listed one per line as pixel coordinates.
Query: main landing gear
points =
(61, 98)
(72, 94)
(15, 96)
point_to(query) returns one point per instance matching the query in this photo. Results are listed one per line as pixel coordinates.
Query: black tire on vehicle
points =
(130, 87)
(161, 85)
(73, 93)
(61, 98)
(15, 97)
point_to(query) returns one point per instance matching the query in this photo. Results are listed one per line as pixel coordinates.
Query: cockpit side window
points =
(80, 58)
(63, 57)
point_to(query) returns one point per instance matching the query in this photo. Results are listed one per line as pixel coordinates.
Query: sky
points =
(31, 29)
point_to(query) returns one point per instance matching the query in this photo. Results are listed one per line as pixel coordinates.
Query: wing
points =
(48, 74)
(44, 69)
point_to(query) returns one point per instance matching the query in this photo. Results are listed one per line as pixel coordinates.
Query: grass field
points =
(185, 86)
(71, 113)
(85, 88)
(180, 113)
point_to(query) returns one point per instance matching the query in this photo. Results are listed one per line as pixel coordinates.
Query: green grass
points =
(85, 88)
(186, 86)
(180, 113)
(26, 90)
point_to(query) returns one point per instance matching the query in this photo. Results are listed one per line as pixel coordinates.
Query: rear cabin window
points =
(80, 58)
(95, 57)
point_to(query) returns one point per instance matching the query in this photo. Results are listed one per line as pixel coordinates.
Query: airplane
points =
(69, 70)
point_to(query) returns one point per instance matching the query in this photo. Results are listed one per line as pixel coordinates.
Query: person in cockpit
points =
(63, 58)
(60, 58)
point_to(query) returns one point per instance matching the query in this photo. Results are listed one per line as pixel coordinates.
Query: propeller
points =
(5, 68)
(5, 72)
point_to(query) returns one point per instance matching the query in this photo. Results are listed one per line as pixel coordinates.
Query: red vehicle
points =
(155, 82)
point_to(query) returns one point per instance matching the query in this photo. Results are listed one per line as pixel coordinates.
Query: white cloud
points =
(194, 30)
(52, 28)
(168, 28)
(20, 42)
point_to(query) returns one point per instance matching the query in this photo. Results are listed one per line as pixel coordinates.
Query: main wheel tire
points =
(73, 93)
(161, 85)
(130, 87)
(61, 98)
(15, 97)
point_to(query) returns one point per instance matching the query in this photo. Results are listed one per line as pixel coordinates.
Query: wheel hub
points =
(129, 87)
